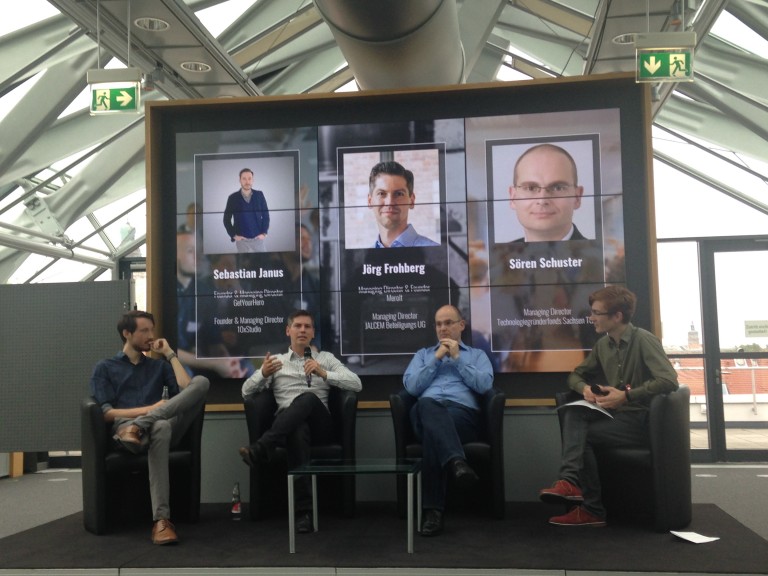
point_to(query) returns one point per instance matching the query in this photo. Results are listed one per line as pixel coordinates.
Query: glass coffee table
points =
(411, 467)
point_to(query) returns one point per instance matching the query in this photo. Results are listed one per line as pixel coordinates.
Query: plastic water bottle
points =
(237, 510)
(165, 395)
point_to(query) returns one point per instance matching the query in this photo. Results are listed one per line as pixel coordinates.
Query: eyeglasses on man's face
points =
(594, 312)
(446, 323)
(557, 190)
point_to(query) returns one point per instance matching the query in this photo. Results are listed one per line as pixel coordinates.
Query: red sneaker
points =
(578, 516)
(561, 491)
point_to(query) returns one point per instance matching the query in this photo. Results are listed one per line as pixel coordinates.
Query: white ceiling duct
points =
(397, 42)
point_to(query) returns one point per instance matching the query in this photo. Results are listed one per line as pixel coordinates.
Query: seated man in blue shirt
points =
(447, 379)
(130, 388)
(391, 197)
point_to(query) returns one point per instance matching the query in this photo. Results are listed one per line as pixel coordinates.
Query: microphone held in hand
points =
(308, 356)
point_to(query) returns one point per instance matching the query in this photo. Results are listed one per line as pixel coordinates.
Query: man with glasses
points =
(447, 379)
(545, 193)
(625, 369)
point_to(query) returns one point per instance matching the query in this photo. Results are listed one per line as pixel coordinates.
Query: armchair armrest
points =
(400, 407)
(94, 438)
(343, 407)
(493, 406)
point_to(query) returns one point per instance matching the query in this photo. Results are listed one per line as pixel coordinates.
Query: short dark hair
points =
(128, 321)
(393, 169)
(616, 299)
(244, 170)
(295, 314)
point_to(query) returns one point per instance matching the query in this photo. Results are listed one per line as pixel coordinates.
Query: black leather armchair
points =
(486, 456)
(116, 483)
(268, 480)
(654, 482)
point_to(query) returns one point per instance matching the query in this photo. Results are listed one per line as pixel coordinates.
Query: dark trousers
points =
(442, 427)
(585, 431)
(305, 422)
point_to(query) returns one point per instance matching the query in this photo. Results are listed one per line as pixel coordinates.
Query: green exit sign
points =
(667, 65)
(110, 99)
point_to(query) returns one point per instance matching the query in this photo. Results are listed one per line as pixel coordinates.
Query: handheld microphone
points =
(308, 356)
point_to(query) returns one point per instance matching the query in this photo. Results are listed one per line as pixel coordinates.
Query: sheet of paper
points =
(695, 537)
(587, 405)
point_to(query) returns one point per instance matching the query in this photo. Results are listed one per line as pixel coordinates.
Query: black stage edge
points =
(376, 537)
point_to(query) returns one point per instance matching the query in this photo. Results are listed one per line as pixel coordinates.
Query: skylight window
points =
(732, 30)
(218, 18)
(18, 15)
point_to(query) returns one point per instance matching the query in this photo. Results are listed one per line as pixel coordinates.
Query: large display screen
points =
(511, 202)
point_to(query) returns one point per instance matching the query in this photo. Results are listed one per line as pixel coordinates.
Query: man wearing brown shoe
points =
(130, 388)
(634, 367)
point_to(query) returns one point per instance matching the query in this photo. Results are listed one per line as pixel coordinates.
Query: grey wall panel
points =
(51, 335)
(531, 454)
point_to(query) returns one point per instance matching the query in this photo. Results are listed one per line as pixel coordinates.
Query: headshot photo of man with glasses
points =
(544, 194)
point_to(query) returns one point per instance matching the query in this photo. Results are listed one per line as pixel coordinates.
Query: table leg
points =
(410, 513)
(418, 501)
(291, 517)
(314, 502)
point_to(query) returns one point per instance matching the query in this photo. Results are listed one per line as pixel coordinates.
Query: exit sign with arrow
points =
(115, 90)
(665, 57)
(674, 65)
(122, 99)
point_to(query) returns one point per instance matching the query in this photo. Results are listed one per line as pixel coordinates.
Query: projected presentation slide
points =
(371, 226)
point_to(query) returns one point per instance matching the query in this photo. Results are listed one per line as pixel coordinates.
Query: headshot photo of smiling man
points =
(391, 197)
(545, 193)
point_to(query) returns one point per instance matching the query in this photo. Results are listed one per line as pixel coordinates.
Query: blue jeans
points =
(442, 427)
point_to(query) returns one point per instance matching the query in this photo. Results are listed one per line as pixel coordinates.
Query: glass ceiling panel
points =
(731, 175)
(17, 15)
(28, 268)
(686, 208)
(82, 228)
(218, 18)
(15, 96)
(732, 30)
(65, 270)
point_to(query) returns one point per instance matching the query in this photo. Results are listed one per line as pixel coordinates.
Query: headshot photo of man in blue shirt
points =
(391, 198)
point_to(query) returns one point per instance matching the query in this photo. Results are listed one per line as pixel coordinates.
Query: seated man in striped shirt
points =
(300, 380)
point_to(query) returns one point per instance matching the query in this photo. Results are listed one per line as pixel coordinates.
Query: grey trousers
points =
(585, 429)
(251, 245)
(163, 428)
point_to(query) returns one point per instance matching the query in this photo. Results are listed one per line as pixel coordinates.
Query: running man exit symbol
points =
(112, 100)
(673, 65)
